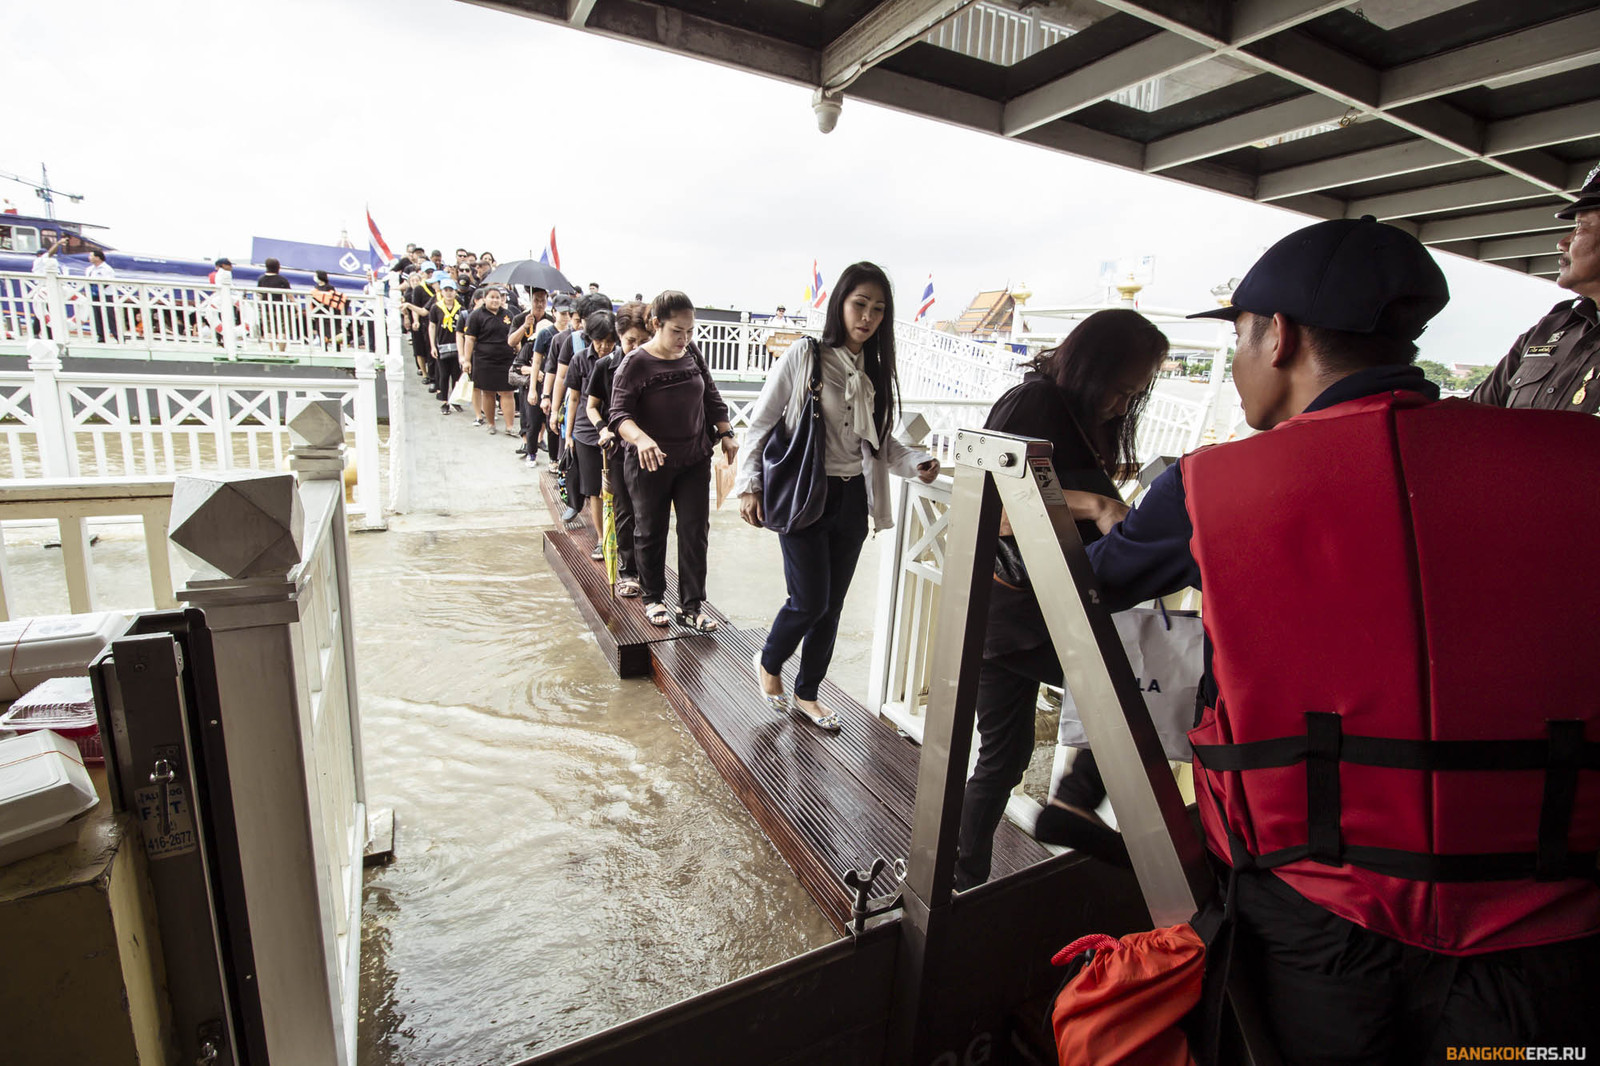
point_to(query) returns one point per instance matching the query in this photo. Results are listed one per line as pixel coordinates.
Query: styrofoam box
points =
(53, 646)
(43, 789)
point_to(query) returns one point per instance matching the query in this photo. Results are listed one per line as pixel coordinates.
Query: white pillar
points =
(369, 497)
(387, 322)
(56, 304)
(230, 332)
(56, 456)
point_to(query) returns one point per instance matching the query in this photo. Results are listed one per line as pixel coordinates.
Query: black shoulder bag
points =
(794, 488)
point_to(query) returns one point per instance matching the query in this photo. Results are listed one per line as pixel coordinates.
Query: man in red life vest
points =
(1399, 756)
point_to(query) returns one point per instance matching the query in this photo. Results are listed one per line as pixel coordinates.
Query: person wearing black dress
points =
(1085, 397)
(486, 357)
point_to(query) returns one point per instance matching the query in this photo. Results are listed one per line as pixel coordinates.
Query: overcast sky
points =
(192, 125)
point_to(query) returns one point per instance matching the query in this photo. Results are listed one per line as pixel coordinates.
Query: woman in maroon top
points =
(664, 403)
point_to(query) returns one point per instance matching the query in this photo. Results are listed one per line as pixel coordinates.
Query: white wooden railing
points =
(157, 320)
(70, 502)
(285, 661)
(55, 424)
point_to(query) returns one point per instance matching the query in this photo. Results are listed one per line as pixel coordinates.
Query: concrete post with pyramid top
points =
(272, 578)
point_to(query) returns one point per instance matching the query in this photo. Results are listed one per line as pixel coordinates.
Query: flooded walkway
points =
(567, 856)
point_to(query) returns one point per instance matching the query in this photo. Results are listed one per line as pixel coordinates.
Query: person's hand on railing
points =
(928, 471)
(750, 508)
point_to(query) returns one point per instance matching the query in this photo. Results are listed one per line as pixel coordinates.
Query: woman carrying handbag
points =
(817, 462)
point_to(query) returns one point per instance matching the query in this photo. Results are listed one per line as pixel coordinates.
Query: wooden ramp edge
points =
(829, 803)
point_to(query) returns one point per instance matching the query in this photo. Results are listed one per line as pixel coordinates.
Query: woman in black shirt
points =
(664, 403)
(486, 357)
(1085, 397)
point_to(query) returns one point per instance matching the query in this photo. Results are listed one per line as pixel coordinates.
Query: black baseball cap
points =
(224, 262)
(1588, 196)
(1354, 275)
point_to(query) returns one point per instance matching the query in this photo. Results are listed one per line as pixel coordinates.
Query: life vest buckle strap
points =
(1324, 736)
(1560, 794)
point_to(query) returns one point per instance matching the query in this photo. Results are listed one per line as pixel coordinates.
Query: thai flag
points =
(551, 256)
(927, 301)
(377, 244)
(814, 291)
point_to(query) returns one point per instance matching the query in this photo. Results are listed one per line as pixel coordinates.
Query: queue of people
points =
(1397, 764)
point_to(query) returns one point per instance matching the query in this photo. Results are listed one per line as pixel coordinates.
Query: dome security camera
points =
(827, 106)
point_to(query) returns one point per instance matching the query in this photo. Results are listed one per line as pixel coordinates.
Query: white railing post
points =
(746, 344)
(369, 497)
(55, 303)
(388, 351)
(225, 310)
(49, 414)
(262, 542)
(881, 666)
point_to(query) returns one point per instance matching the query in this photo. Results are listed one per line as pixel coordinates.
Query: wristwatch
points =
(725, 433)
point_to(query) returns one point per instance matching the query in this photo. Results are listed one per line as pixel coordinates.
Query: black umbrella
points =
(531, 274)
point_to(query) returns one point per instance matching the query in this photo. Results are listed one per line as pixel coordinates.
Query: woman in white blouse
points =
(858, 405)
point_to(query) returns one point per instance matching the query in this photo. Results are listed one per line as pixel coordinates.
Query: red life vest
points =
(1402, 602)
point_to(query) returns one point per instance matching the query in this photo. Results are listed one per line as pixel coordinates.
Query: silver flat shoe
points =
(778, 704)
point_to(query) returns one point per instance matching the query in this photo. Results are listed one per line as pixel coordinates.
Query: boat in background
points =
(21, 237)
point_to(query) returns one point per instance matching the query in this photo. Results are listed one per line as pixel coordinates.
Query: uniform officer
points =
(1398, 762)
(1555, 364)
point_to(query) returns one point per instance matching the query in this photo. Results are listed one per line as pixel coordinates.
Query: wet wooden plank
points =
(829, 802)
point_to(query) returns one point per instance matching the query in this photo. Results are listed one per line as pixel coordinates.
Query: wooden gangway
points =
(830, 803)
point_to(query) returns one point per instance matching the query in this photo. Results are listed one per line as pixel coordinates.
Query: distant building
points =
(987, 317)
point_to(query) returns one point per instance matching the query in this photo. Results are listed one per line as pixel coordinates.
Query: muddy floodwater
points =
(567, 856)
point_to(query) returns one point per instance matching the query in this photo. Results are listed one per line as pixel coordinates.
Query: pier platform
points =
(830, 803)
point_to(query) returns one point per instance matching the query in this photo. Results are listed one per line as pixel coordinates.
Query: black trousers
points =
(449, 372)
(818, 563)
(105, 318)
(622, 511)
(1336, 994)
(656, 494)
(1008, 693)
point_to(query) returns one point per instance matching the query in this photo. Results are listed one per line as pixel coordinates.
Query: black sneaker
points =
(444, 408)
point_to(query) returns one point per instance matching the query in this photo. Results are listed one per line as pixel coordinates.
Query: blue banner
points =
(294, 255)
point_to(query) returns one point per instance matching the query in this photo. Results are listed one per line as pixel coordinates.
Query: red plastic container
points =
(64, 704)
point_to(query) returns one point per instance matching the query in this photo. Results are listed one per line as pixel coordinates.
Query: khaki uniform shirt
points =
(1555, 366)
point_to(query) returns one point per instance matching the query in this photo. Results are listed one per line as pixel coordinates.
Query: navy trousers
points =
(818, 563)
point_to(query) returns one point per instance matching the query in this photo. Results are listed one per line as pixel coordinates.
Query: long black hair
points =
(877, 355)
(1094, 360)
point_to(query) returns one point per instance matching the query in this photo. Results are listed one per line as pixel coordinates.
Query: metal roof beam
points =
(1517, 247)
(1152, 57)
(1497, 224)
(1386, 162)
(1310, 64)
(1254, 19)
(1571, 123)
(1544, 266)
(902, 92)
(1261, 124)
(1575, 38)
(886, 29)
(1456, 196)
